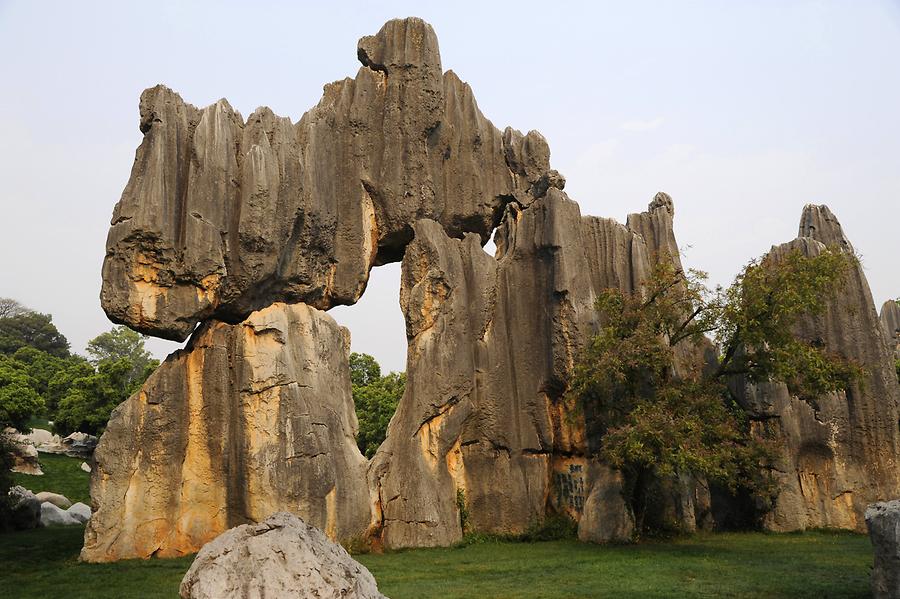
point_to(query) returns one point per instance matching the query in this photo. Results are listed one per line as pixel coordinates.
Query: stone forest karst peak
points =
(240, 234)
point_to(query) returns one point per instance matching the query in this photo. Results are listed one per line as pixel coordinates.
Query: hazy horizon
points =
(742, 112)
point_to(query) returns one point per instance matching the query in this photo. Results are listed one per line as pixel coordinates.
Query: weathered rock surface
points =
(42, 438)
(279, 557)
(26, 509)
(24, 453)
(883, 522)
(839, 452)
(223, 219)
(491, 344)
(223, 216)
(75, 445)
(249, 420)
(890, 322)
(60, 501)
(80, 512)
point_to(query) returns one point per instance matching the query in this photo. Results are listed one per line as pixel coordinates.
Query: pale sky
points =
(742, 111)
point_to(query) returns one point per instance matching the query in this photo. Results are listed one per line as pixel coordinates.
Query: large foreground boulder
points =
(279, 557)
(883, 522)
(249, 420)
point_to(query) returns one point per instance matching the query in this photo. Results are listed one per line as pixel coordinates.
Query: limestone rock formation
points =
(883, 522)
(492, 341)
(890, 322)
(279, 557)
(251, 227)
(26, 509)
(24, 453)
(80, 512)
(60, 501)
(224, 216)
(250, 419)
(52, 515)
(838, 453)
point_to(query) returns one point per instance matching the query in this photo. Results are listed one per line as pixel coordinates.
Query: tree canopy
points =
(122, 343)
(658, 420)
(39, 377)
(31, 329)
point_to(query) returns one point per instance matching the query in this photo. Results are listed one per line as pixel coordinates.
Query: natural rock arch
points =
(252, 228)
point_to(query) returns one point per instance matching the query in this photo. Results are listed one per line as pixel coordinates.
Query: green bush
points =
(18, 399)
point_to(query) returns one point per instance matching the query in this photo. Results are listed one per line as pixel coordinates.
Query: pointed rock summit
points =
(838, 452)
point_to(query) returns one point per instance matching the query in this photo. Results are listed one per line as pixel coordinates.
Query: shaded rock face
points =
(279, 557)
(491, 343)
(838, 453)
(25, 507)
(250, 419)
(890, 322)
(883, 522)
(223, 216)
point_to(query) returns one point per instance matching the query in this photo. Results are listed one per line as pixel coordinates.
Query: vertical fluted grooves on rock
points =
(503, 334)
(250, 228)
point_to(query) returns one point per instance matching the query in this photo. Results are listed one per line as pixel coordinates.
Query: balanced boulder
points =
(223, 216)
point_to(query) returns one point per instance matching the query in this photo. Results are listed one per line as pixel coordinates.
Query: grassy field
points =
(819, 565)
(62, 475)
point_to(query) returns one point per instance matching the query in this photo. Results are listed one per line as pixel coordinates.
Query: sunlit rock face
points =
(839, 452)
(249, 420)
(492, 342)
(223, 216)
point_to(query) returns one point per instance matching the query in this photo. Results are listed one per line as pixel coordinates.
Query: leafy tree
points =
(90, 399)
(363, 369)
(10, 307)
(84, 395)
(376, 398)
(375, 405)
(653, 423)
(122, 342)
(18, 399)
(31, 329)
(59, 384)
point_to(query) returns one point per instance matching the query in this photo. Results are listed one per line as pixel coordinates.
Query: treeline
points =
(40, 377)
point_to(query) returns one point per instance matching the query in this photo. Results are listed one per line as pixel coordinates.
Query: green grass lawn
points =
(42, 563)
(62, 474)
